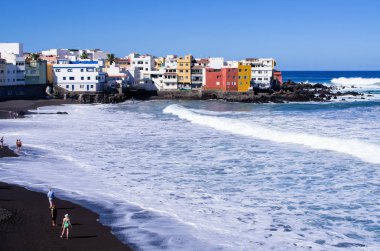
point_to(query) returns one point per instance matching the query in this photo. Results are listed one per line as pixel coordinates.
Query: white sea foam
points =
(163, 183)
(365, 151)
(367, 83)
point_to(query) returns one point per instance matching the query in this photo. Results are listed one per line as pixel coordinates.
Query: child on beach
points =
(53, 213)
(65, 226)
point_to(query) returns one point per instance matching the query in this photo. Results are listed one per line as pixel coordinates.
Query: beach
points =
(25, 224)
(20, 107)
(25, 216)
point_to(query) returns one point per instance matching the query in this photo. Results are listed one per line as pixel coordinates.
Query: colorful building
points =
(184, 71)
(36, 72)
(244, 77)
(224, 79)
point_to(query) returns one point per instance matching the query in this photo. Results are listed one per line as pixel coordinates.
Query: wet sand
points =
(22, 106)
(25, 224)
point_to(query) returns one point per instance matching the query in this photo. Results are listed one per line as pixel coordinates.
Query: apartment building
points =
(184, 71)
(80, 76)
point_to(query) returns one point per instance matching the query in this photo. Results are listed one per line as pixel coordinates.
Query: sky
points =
(299, 34)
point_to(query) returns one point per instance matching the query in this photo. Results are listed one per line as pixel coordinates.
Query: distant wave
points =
(362, 150)
(357, 82)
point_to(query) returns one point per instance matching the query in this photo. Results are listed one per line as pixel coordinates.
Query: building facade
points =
(36, 72)
(262, 71)
(170, 79)
(244, 77)
(224, 79)
(80, 76)
(184, 71)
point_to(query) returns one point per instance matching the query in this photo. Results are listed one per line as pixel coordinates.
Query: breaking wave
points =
(365, 151)
(358, 82)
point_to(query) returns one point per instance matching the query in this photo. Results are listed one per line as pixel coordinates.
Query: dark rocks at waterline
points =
(289, 92)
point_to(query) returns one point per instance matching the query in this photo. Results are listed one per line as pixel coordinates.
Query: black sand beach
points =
(25, 224)
(22, 106)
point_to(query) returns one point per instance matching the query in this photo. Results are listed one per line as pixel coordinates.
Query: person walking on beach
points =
(2, 142)
(50, 196)
(53, 213)
(65, 226)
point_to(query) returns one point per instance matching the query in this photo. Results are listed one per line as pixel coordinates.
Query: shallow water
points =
(212, 175)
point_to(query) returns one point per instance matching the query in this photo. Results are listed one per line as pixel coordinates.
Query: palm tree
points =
(111, 58)
(35, 56)
(84, 55)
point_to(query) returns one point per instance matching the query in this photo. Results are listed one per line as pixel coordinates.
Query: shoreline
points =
(11, 109)
(25, 222)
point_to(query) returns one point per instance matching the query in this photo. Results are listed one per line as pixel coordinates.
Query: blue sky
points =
(300, 34)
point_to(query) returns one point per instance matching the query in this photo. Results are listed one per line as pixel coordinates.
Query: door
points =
(72, 87)
(88, 87)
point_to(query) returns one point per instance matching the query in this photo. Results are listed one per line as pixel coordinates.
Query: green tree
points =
(84, 55)
(35, 56)
(111, 58)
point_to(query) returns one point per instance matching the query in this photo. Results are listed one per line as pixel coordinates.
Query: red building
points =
(278, 76)
(224, 79)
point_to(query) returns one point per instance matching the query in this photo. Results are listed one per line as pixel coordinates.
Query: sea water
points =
(212, 175)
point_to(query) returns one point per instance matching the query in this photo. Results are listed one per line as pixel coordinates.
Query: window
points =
(246, 70)
(71, 78)
(67, 86)
(146, 62)
(81, 70)
(69, 70)
(88, 78)
(81, 78)
(92, 86)
(90, 69)
(56, 70)
(97, 78)
(146, 69)
(64, 78)
(81, 86)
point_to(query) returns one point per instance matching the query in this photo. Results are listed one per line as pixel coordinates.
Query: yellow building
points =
(49, 73)
(184, 71)
(244, 77)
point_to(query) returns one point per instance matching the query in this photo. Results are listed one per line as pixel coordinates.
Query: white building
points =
(216, 63)
(116, 78)
(14, 70)
(80, 76)
(261, 72)
(59, 53)
(170, 79)
(11, 48)
(171, 61)
(139, 64)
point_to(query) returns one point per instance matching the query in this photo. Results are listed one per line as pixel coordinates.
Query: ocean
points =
(213, 175)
